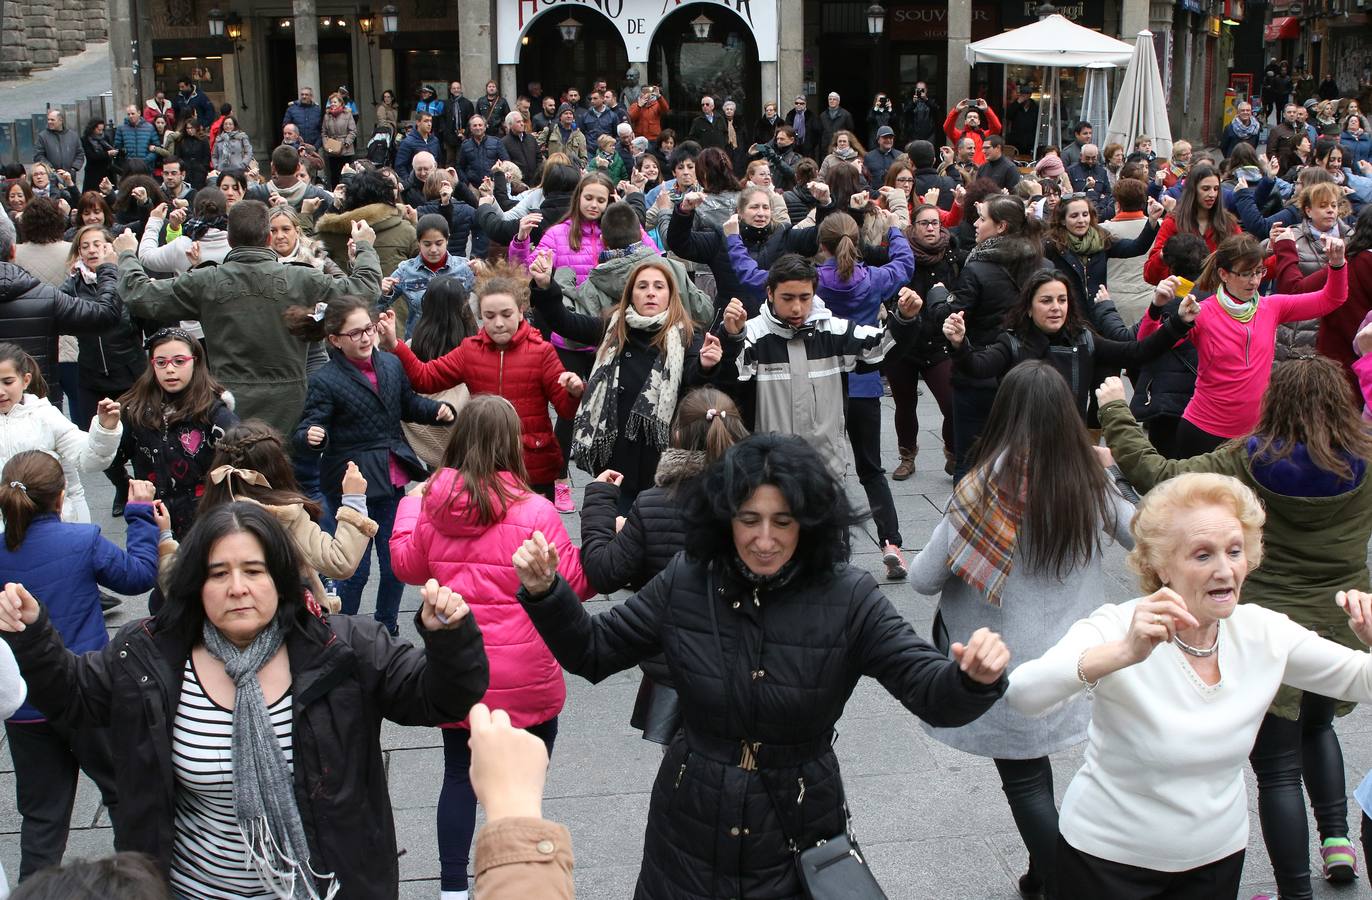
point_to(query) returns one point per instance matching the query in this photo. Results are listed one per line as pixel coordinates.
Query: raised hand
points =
(1104, 456)
(126, 242)
(1155, 210)
(1334, 250)
(909, 302)
(158, 212)
(177, 218)
(193, 253)
(536, 563)
(315, 435)
(108, 413)
(691, 201)
(353, 480)
(1169, 202)
(528, 224)
(731, 224)
(711, 352)
(509, 766)
(310, 205)
(610, 476)
(859, 200)
(1358, 605)
(1280, 232)
(955, 329)
(1157, 618)
(1189, 309)
(1166, 290)
(931, 196)
(141, 491)
(983, 658)
(442, 608)
(820, 191)
(18, 609)
(1110, 390)
(1102, 294)
(572, 384)
(161, 517)
(388, 285)
(363, 232)
(541, 269)
(735, 316)
(1362, 341)
(385, 330)
(140, 194)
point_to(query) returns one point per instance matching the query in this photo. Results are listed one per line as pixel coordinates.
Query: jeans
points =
(864, 434)
(306, 466)
(457, 802)
(971, 409)
(47, 759)
(69, 384)
(1028, 785)
(1083, 875)
(903, 376)
(380, 510)
(1284, 752)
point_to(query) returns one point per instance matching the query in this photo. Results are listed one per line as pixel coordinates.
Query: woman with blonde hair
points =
(1307, 460)
(845, 149)
(1180, 680)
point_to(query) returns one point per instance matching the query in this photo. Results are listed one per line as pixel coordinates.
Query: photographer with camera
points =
(920, 117)
(881, 115)
(979, 122)
(646, 113)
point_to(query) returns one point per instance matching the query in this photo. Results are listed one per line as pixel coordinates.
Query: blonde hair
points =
(1154, 529)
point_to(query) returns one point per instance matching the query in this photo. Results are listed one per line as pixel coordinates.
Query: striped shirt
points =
(210, 858)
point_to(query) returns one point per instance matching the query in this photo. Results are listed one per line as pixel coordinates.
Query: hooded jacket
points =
(33, 314)
(436, 536)
(35, 424)
(524, 371)
(396, 240)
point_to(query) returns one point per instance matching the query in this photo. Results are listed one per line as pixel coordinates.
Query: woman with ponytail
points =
(47, 754)
(855, 291)
(628, 551)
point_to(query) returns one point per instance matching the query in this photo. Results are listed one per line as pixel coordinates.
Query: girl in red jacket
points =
(507, 357)
(461, 528)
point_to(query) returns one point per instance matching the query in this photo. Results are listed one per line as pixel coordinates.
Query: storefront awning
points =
(1282, 28)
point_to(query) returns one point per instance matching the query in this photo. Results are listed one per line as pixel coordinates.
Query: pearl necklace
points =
(1199, 652)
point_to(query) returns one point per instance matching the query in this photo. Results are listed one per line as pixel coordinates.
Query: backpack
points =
(381, 147)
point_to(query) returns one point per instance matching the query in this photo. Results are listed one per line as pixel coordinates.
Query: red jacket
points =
(992, 126)
(1155, 270)
(524, 372)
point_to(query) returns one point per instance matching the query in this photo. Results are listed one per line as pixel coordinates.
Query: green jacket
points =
(395, 237)
(604, 286)
(1312, 546)
(239, 303)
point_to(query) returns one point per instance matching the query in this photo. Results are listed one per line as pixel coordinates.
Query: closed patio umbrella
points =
(1142, 105)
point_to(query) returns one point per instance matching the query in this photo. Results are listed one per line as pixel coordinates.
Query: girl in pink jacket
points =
(461, 529)
(1235, 335)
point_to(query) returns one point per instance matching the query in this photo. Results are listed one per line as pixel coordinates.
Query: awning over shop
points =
(1282, 28)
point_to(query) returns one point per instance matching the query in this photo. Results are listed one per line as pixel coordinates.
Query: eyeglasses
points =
(926, 223)
(176, 362)
(1259, 273)
(357, 333)
(905, 179)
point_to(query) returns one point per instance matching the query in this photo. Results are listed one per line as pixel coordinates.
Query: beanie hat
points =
(1049, 167)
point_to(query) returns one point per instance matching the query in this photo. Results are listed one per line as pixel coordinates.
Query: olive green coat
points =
(1312, 546)
(239, 304)
(395, 237)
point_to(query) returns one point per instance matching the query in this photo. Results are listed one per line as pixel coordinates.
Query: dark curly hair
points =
(43, 222)
(368, 187)
(816, 498)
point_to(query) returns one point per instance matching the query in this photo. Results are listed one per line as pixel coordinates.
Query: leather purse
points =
(333, 146)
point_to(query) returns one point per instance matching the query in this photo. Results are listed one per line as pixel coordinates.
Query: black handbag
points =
(832, 869)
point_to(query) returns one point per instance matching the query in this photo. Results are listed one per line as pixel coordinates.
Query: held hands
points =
(955, 329)
(1169, 203)
(141, 491)
(1333, 250)
(353, 480)
(126, 242)
(193, 253)
(443, 609)
(177, 218)
(1358, 605)
(536, 563)
(735, 315)
(909, 302)
(108, 413)
(509, 766)
(610, 476)
(385, 330)
(18, 609)
(140, 194)
(731, 225)
(1155, 210)
(528, 224)
(711, 352)
(363, 232)
(983, 658)
(1104, 456)
(315, 435)
(820, 191)
(1280, 232)
(1157, 618)
(445, 414)
(541, 269)
(931, 196)
(1110, 390)
(388, 285)
(572, 384)
(158, 212)
(1189, 309)
(859, 200)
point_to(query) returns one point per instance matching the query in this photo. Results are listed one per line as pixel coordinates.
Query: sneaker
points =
(563, 501)
(1265, 897)
(1340, 860)
(895, 563)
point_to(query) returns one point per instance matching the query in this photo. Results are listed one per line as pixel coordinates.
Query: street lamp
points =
(570, 28)
(701, 26)
(876, 20)
(390, 18)
(366, 22)
(233, 27)
(216, 22)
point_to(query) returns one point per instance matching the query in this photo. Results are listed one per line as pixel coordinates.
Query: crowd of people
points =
(289, 357)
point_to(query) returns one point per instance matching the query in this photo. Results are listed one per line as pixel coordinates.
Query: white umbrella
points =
(1055, 41)
(1142, 105)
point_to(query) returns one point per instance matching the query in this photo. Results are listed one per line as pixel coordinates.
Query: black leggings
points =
(580, 363)
(1028, 785)
(1081, 875)
(971, 409)
(1192, 441)
(1283, 752)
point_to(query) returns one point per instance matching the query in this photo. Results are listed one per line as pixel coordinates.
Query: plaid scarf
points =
(985, 519)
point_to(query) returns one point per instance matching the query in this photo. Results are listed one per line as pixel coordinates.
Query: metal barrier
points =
(16, 137)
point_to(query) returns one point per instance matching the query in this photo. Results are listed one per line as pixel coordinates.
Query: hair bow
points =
(218, 476)
(319, 310)
(711, 413)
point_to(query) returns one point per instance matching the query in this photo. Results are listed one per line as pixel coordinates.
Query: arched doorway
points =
(546, 56)
(723, 64)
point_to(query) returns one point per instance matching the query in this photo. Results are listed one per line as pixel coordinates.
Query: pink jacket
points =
(580, 261)
(1236, 357)
(431, 540)
(1362, 368)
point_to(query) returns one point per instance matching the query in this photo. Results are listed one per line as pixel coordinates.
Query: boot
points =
(950, 462)
(907, 464)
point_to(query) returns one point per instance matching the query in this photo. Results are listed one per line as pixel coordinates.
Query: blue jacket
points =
(65, 564)
(1356, 149)
(136, 141)
(434, 108)
(362, 423)
(309, 119)
(413, 277)
(411, 144)
(594, 124)
(475, 161)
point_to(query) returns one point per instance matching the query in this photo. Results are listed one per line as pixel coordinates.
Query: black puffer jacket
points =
(791, 658)
(1164, 386)
(989, 287)
(33, 314)
(113, 358)
(702, 243)
(1087, 275)
(347, 675)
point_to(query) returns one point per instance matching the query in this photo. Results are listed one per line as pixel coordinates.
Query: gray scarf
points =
(596, 429)
(263, 790)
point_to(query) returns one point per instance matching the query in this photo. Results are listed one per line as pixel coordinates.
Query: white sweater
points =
(35, 424)
(1162, 786)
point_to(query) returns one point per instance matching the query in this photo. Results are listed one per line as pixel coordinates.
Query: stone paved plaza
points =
(933, 819)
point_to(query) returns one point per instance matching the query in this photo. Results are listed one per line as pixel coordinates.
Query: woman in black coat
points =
(343, 676)
(766, 630)
(100, 156)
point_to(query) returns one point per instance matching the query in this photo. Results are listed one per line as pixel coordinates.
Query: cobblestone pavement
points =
(933, 819)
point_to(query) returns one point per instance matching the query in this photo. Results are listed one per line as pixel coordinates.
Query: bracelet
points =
(165, 536)
(1081, 674)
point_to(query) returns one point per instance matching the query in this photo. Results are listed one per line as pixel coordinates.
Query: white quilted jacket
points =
(36, 424)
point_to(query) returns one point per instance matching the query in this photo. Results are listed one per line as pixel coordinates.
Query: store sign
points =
(637, 21)
(929, 22)
(1022, 12)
